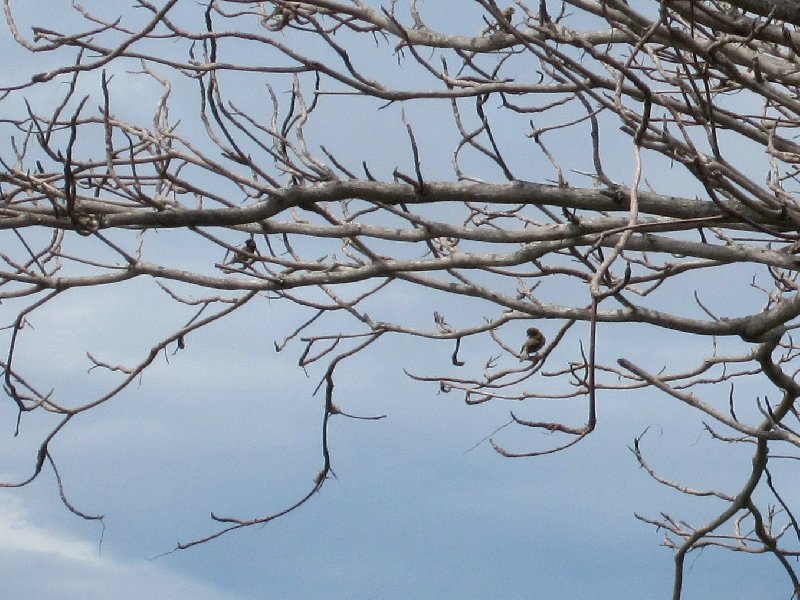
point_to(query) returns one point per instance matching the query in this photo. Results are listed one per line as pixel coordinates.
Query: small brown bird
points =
(495, 26)
(249, 247)
(533, 344)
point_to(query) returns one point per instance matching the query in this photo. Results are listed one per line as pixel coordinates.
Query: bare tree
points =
(610, 164)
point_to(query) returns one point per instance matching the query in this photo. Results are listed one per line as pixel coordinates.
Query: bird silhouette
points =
(533, 344)
(245, 259)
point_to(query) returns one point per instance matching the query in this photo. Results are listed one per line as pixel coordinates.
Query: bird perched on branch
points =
(244, 255)
(533, 344)
(496, 26)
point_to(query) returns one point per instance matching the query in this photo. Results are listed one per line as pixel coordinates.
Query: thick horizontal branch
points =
(776, 10)
(390, 193)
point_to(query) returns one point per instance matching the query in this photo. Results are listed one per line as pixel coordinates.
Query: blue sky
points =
(421, 507)
(415, 511)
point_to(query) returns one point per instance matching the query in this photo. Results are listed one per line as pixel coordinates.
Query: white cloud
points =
(37, 562)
